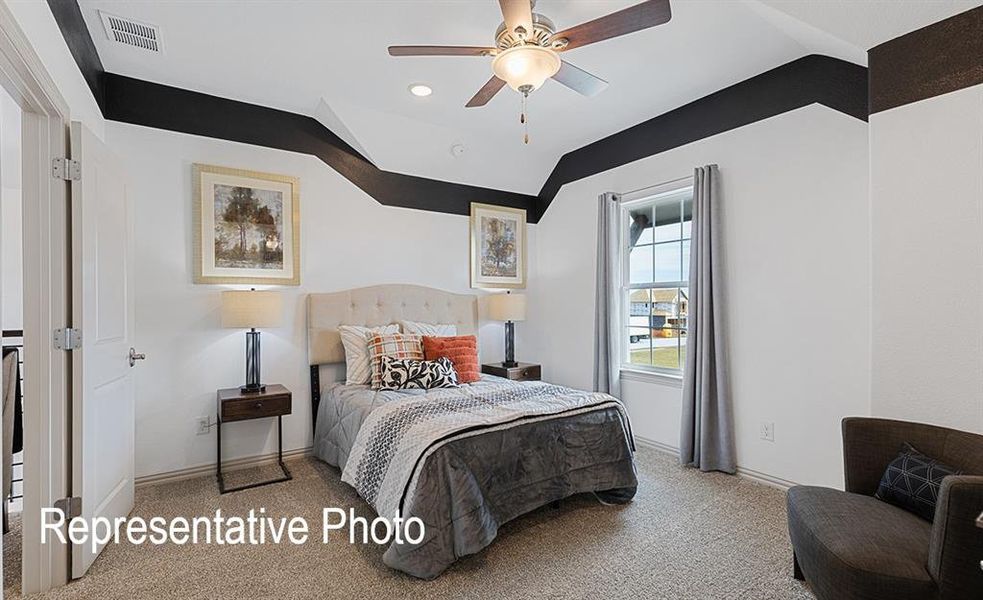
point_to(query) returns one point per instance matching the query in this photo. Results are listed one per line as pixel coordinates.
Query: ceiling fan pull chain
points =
(524, 119)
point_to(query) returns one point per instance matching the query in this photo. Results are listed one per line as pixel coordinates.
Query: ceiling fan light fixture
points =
(526, 68)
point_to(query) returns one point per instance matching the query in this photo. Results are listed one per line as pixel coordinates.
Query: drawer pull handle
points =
(259, 405)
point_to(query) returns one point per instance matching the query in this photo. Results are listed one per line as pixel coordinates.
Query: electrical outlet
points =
(203, 425)
(768, 431)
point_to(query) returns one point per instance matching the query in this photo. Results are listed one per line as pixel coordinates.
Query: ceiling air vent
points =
(131, 33)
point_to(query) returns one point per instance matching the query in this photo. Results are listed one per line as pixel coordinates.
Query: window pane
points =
(686, 252)
(640, 346)
(640, 264)
(665, 348)
(640, 226)
(687, 217)
(668, 261)
(639, 308)
(683, 309)
(667, 221)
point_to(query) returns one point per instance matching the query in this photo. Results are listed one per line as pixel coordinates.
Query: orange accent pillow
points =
(462, 350)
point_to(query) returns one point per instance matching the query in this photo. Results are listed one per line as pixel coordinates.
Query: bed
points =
(462, 460)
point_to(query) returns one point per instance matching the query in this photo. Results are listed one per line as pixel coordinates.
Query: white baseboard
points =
(229, 465)
(751, 474)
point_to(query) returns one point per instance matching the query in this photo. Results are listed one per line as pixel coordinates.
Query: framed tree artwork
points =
(498, 246)
(246, 226)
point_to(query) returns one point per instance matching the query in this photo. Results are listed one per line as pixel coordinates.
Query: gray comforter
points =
(493, 451)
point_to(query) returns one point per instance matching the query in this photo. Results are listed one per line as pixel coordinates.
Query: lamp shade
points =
(246, 309)
(507, 307)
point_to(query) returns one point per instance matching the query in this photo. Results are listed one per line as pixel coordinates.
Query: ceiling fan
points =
(527, 47)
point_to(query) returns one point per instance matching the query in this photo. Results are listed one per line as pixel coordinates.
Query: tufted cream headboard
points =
(381, 305)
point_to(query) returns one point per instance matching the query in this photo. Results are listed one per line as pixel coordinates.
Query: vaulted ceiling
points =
(329, 60)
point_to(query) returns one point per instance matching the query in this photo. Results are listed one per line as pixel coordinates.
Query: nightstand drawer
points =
(530, 373)
(255, 408)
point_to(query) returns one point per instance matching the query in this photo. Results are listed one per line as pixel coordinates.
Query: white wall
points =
(796, 234)
(927, 251)
(11, 255)
(348, 240)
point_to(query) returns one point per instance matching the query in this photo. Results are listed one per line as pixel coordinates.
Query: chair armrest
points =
(956, 548)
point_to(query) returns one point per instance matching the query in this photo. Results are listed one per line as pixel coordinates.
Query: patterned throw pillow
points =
(431, 329)
(405, 374)
(355, 339)
(396, 345)
(912, 482)
(461, 349)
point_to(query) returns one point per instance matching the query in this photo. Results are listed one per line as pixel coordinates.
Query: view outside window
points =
(657, 238)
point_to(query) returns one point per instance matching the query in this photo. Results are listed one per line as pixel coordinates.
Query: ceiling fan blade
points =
(579, 80)
(486, 92)
(634, 18)
(439, 51)
(517, 13)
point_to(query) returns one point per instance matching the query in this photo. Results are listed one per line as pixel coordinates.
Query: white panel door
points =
(102, 308)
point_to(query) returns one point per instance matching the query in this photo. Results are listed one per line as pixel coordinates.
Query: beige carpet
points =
(686, 535)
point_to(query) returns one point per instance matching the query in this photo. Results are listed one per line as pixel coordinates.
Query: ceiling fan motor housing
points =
(542, 30)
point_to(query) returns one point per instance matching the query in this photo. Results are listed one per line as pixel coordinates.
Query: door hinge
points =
(66, 168)
(70, 507)
(68, 338)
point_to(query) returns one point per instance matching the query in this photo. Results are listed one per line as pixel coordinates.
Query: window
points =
(655, 255)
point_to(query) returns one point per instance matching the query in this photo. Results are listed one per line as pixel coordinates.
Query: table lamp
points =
(248, 310)
(508, 307)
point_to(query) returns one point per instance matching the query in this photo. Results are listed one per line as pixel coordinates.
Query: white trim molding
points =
(757, 476)
(208, 469)
(656, 377)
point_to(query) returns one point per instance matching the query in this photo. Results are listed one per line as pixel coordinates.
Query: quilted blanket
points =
(397, 437)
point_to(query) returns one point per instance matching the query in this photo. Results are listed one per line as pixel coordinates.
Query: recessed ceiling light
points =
(421, 90)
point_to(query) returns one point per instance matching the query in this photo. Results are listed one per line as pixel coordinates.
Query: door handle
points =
(135, 356)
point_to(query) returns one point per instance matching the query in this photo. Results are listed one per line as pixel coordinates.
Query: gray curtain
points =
(706, 440)
(607, 313)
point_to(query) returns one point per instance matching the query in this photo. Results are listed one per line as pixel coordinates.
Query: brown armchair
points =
(850, 545)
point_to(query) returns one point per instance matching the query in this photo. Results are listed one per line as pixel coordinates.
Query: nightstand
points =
(522, 372)
(234, 405)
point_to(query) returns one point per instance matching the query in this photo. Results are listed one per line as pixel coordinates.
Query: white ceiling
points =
(329, 60)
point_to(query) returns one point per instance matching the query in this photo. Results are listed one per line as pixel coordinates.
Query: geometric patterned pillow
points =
(396, 345)
(912, 482)
(405, 374)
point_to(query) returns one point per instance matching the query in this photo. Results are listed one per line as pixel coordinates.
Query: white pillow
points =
(355, 339)
(429, 329)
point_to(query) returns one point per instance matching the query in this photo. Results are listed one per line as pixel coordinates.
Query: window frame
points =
(626, 202)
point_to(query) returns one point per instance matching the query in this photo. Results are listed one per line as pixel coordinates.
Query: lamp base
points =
(509, 364)
(253, 388)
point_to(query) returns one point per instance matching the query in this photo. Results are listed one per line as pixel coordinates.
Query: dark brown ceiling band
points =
(934, 60)
(835, 83)
(140, 102)
(838, 84)
(68, 15)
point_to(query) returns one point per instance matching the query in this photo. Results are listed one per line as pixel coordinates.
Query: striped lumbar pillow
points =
(355, 339)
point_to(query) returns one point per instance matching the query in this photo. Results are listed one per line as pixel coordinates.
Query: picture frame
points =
(498, 247)
(246, 226)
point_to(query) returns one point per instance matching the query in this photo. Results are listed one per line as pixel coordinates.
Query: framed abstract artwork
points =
(498, 246)
(246, 226)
